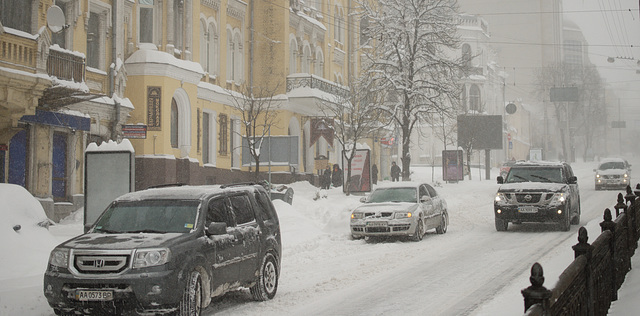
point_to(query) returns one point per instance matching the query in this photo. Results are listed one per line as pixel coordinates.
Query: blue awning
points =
(58, 119)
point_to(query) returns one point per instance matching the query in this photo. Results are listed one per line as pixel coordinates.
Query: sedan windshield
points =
(393, 195)
(553, 175)
(156, 216)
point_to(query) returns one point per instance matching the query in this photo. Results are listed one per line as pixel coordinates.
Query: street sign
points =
(569, 94)
(618, 124)
(134, 131)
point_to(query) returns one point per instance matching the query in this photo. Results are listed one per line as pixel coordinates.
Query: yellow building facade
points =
(176, 68)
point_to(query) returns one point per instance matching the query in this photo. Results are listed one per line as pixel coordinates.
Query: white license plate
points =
(528, 209)
(84, 295)
(376, 224)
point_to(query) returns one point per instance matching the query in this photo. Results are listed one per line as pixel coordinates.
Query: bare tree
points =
(356, 117)
(581, 115)
(258, 108)
(411, 44)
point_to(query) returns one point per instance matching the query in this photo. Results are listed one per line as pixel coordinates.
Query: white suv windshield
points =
(154, 216)
(539, 174)
(393, 195)
(612, 165)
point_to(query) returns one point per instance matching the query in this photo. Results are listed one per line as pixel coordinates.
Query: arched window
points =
(463, 98)
(293, 54)
(319, 63)
(466, 55)
(305, 63)
(212, 54)
(174, 123)
(230, 61)
(474, 98)
(204, 61)
(237, 58)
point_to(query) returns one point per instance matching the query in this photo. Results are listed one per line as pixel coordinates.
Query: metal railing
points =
(66, 66)
(314, 82)
(591, 282)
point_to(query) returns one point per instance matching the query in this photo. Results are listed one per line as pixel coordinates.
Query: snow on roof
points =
(150, 54)
(125, 145)
(539, 163)
(80, 86)
(57, 47)
(20, 33)
(312, 20)
(111, 101)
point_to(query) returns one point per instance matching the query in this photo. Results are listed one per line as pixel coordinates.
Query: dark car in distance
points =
(538, 192)
(169, 251)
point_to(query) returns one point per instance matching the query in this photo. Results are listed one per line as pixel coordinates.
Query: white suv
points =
(612, 173)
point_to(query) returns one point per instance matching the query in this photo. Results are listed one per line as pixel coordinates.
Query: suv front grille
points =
(100, 263)
(528, 197)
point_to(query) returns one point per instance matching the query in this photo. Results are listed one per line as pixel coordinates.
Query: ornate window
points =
(474, 98)
(223, 121)
(174, 123)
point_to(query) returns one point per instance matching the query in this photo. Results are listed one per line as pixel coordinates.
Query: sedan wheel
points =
(443, 223)
(417, 235)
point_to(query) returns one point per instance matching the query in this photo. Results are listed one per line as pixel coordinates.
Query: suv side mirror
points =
(425, 198)
(573, 180)
(363, 199)
(500, 180)
(217, 228)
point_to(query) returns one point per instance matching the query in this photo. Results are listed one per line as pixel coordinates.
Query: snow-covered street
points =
(470, 270)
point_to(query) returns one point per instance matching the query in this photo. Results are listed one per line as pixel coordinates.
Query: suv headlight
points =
(357, 215)
(558, 198)
(59, 257)
(626, 175)
(402, 215)
(501, 198)
(597, 176)
(150, 257)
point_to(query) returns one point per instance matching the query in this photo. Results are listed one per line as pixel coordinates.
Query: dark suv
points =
(169, 251)
(538, 192)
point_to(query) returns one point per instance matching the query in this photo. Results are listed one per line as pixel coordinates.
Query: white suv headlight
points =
(59, 257)
(150, 257)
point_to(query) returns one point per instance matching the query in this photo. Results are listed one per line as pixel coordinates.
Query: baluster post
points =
(536, 293)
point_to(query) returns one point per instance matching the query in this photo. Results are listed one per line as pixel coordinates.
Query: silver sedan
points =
(400, 209)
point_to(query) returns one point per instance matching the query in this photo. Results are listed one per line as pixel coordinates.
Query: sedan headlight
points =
(402, 215)
(558, 198)
(357, 215)
(150, 257)
(59, 257)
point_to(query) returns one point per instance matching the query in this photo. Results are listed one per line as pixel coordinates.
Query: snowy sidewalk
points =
(628, 302)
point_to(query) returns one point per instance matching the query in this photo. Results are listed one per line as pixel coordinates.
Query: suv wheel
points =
(501, 225)
(267, 283)
(417, 235)
(191, 303)
(443, 224)
(576, 219)
(565, 223)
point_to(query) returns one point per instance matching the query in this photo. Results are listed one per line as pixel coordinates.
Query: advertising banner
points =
(360, 172)
(452, 165)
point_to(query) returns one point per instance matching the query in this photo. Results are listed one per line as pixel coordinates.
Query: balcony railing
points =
(313, 82)
(66, 65)
(18, 52)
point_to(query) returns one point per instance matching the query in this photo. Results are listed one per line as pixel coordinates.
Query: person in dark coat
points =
(395, 172)
(336, 176)
(374, 174)
(325, 181)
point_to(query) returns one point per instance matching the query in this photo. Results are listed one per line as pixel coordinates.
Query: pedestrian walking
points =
(374, 174)
(395, 172)
(336, 176)
(325, 180)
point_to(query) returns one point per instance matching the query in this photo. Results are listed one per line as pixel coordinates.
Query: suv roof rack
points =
(239, 184)
(179, 184)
